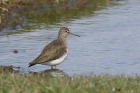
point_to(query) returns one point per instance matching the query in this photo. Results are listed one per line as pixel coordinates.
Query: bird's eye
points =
(67, 31)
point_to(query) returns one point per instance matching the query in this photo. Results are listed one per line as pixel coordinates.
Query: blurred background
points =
(109, 30)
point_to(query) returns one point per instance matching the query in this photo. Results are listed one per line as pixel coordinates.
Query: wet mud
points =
(11, 11)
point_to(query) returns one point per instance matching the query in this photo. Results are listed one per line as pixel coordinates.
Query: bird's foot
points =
(53, 67)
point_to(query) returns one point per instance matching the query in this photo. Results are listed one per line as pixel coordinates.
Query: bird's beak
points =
(74, 34)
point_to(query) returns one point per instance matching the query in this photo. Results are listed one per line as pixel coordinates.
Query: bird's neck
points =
(63, 39)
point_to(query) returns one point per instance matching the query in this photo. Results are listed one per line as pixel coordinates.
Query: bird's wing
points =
(52, 51)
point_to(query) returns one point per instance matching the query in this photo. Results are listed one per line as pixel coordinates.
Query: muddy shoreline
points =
(10, 10)
(7, 69)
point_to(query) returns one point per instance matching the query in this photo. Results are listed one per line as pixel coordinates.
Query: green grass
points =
(16, 83)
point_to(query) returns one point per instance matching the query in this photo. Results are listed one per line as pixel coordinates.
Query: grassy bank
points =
(10, 10)
(15, 13)
(16, 83)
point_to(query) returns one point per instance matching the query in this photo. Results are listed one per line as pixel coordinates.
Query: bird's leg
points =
(51, 67)
(55, 67)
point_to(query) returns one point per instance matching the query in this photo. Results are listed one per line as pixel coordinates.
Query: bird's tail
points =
(31, 64)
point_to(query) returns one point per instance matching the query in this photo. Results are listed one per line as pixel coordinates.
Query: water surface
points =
(109, 42)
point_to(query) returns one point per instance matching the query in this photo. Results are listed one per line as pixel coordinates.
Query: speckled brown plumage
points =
(55, 50)
(52, 51)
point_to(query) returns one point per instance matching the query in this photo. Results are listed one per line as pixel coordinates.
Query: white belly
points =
(57, 61)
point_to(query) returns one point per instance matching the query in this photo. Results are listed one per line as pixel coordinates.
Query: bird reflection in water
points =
(51, 72)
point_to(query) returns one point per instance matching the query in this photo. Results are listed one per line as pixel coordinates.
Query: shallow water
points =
(109, 42)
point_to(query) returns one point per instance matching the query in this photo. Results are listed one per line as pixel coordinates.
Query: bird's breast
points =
(56, 61)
